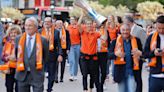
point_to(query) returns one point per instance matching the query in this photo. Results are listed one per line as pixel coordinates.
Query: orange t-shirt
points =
(89, 42)
(112, 33)
(74, 35)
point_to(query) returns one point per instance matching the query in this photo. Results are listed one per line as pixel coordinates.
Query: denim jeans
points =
(73, 58)
(128, 84)
(110, 63)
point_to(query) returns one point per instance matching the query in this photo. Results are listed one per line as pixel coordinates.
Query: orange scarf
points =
(20, 55)
(153, 45)
(49, 36)
(8, 50)
(63, 39)
(104, 45)
(119, 46)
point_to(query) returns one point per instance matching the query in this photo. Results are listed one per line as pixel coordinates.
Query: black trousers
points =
(89, 66)
(102, 62)
(10, 81)
(63, 64)
(52, 70)
(62, 69)
(138, 78)
(156, 84)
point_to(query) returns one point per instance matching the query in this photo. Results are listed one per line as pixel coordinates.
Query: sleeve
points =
(147, 52)
(59, 43)
(108, 39)
(98, 35)
(83, 28)
(139, 45)
(142, 35)
(40, 30)
(16, 45)
(68, 40)
(2, 54)
(45, 49)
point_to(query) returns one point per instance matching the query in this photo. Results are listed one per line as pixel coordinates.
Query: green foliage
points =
(131, 4)
(104, 2)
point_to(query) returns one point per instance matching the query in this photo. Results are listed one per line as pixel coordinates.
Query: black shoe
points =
(71, 80)
(61, 80)
(56, 81)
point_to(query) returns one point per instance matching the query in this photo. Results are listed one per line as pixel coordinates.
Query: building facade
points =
(34, 3)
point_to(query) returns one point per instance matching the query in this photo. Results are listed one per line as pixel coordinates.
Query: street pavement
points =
(76, 86)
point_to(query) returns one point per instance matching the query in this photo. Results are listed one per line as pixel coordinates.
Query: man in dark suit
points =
(32, 53)
(65, 44)
(55, 51)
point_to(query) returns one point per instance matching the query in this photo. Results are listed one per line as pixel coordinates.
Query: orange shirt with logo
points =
(89, 42)
(74, 35)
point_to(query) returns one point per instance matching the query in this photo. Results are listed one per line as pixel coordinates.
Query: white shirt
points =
(32, 41)
(60, 30)
(161, 43)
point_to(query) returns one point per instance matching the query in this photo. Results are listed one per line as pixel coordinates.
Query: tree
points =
(131, 4)
(150, 10)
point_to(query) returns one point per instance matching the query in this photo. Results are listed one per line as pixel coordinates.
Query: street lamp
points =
(52, 7)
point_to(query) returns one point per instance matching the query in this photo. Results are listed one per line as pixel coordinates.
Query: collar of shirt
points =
(32, 40)
(33, 36)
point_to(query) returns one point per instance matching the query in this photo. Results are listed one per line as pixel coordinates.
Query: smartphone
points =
(159, 50)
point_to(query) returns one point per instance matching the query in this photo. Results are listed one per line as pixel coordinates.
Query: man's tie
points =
(29, 46)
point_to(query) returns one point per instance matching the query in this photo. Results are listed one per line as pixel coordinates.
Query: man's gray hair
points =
(129, 18)
(34, 20)
(59, 21)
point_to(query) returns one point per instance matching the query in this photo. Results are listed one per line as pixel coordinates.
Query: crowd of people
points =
(32, 49)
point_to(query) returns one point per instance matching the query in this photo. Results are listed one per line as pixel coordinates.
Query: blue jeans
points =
(128, 84)
(73, 58)
(110, 63)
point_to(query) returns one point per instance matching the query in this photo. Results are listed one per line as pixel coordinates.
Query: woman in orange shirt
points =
(9, 58)
(112, 28)
(102, 49)
(74, 53)
(88, 58)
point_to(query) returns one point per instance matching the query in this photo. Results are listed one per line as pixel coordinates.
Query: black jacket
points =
(150, 54)
(119, 70)
(57, 45)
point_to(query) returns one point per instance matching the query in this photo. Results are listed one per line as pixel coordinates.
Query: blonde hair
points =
(13, 27)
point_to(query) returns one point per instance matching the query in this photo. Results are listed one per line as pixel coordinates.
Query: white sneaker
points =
(67, 64)
(89, 90)
(75, 78)
(71, 78)
(104, 87)
(46, 74)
